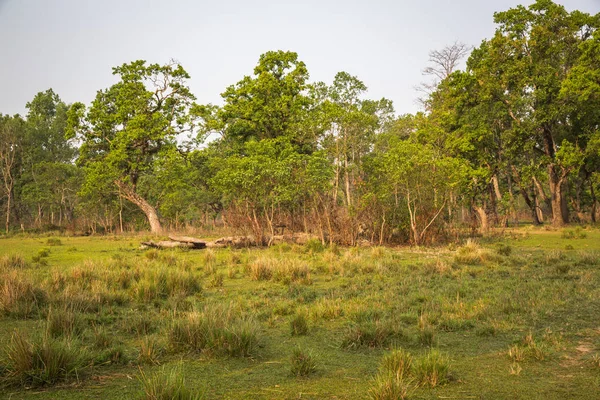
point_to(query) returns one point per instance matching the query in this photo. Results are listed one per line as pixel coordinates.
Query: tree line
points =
(513, 137)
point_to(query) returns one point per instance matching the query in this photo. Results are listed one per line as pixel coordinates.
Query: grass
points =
(511, 316)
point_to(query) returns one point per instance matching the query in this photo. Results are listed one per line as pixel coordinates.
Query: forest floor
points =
(513, 317)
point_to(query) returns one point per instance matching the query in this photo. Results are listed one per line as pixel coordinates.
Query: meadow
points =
(515, 316)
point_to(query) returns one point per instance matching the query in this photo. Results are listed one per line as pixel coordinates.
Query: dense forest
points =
(514, 137)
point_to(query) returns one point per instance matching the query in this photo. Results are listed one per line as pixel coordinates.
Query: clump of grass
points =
(116, 355)
(314, 246)
(19, 297)
(166, 385)
(303, 362)
(101, 338)
(371, 334)
(299, 325)
(261, 269)
(216, 330)
(390, 387)
(141, 324)
(216, 281)
(327, 309)
(578, 233)
(149, 351)
(13, 261)
(504, 249)
(397, 362)
(152, 254)
(472, 254)
(432, 369)
(288, 270)
(63, 322)
(529, 347)
(54, 242)
(41, 362)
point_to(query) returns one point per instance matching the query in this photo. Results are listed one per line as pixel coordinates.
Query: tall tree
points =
(132, 124)
(12, 132)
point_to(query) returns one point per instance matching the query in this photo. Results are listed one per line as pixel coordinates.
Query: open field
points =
(516, 317)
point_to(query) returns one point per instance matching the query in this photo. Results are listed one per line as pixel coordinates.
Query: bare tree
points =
(442, 63)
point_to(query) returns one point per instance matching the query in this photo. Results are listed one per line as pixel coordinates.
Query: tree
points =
(270, 104)
(528, 60)
(12, 132)
(131, 125)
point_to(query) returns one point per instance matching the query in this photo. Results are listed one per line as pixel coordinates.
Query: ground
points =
(515, 316)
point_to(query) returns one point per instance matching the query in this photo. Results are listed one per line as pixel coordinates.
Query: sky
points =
(71, 45)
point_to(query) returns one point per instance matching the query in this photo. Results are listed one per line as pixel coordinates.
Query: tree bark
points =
(559, 214)
(143, 205)
(483, 219)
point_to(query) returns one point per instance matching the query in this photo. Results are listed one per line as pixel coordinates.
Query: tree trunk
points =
(559, 214)
(483, 219)
(143, 205)
(8, 205)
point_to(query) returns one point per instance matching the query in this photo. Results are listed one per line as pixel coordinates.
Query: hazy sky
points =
(71, 45)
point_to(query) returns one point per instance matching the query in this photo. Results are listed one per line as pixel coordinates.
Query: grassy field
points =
(515, 317)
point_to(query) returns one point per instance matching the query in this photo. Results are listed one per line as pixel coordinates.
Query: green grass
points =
(513, 316)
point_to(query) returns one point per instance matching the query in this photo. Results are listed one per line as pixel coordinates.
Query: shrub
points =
(41, 362)
(166, 385)
(302, 362)
(431, 369)
(299, 325)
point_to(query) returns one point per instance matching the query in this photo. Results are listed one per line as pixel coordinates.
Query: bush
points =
(166, 385)
(41, 362)
(302, 362)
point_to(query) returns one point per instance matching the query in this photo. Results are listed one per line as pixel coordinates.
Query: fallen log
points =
(195, 242)
(167, 244)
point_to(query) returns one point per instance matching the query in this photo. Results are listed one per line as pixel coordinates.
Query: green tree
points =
(130, 126)
(12, 132)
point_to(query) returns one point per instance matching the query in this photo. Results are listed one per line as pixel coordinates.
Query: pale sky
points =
(71, 45)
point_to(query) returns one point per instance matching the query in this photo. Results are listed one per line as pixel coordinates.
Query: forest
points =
(512, 138)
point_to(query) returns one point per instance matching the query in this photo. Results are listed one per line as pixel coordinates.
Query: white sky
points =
(71, 45)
